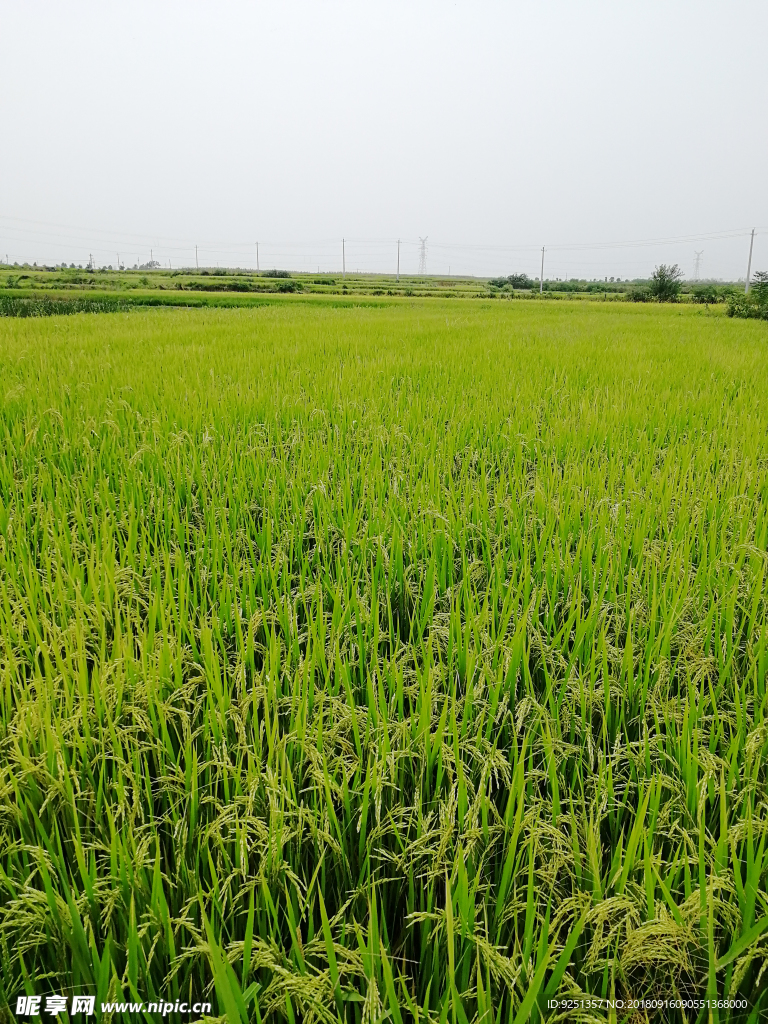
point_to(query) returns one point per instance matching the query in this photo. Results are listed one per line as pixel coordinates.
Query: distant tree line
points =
(521, 282)
(665, 285)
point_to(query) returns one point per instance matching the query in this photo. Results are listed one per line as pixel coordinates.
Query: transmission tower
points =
(423, 256)
(697, 264)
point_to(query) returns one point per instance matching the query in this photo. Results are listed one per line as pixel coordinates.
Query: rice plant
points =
(402, 663)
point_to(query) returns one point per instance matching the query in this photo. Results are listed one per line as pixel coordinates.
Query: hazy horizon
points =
(617, 137)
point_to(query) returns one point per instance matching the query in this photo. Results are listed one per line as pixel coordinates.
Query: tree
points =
(755, 304)
(666, 282)
(514, 281)
(521, 281)
(760, 293)
(760, 286)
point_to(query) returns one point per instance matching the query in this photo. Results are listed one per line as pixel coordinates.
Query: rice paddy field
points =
(403, 663)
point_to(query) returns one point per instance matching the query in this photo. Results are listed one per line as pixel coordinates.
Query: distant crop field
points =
(402, 663)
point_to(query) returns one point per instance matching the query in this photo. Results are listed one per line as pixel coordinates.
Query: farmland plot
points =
(403, 663)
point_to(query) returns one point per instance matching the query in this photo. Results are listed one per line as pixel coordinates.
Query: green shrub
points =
(666, 283)
(705, 294)
(754, 305)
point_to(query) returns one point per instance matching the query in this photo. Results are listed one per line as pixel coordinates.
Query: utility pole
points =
(541, 278)
(697, 264)
(749, 265)
(343, 259)
(398, 259)
(197, 265)
(257, 257)
(118, 261)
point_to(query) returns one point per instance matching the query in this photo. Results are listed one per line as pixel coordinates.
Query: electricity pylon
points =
(423, 256)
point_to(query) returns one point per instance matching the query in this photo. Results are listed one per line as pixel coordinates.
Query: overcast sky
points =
(491, 128)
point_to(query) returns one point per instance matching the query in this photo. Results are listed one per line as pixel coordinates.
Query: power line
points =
(186, 244)
(374, 254)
